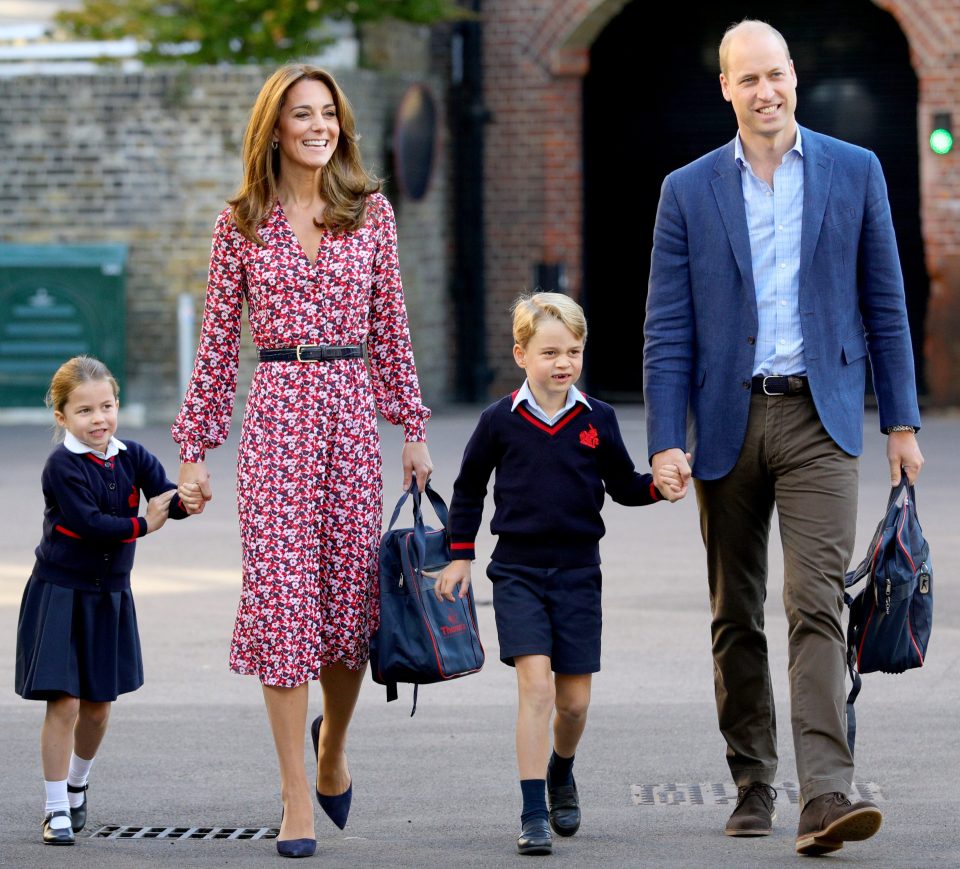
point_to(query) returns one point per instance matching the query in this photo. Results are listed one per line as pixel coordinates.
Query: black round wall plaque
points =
(414, 141)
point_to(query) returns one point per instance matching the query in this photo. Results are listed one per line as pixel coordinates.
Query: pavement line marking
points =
(145, 581)
(725, 793)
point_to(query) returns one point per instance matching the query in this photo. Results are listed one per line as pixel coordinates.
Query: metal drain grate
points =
(725, 794)
(112, 831)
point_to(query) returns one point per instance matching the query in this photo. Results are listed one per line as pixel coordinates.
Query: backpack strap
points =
(852, 696)
(392, 695)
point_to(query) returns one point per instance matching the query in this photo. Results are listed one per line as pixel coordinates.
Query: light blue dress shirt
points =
(524, 394)
(774, 220)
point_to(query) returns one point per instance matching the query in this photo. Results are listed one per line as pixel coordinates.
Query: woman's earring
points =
(274, 144)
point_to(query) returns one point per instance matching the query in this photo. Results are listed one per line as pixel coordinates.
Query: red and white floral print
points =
(309, 489)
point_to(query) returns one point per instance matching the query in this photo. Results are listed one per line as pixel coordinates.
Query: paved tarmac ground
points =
(192, 748)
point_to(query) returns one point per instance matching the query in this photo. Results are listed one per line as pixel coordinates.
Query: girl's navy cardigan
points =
(549, 484)
(90, 517)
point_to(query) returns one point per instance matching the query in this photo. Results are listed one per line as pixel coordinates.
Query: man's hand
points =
(903, 451)
(666, 465)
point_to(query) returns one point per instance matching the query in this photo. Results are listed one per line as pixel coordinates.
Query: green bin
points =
(58, 301)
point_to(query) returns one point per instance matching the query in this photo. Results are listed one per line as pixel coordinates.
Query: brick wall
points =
(535, 54)
(148, 159)
(933, 30)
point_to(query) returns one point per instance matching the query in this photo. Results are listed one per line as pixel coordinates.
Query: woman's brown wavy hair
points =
(344, 183)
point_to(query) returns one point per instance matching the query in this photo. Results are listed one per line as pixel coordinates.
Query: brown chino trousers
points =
(788, 461)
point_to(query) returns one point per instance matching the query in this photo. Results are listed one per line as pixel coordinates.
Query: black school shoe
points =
(564, 803)
(63, 836)
(78, 816)
(535, 837)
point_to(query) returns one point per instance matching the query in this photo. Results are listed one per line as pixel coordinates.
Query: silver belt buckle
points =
(306, 347)
(765, 379)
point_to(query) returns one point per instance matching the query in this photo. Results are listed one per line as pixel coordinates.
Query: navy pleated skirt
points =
(81, 643)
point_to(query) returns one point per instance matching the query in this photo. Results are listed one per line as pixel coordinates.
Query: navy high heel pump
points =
(336, 808)
(295, 847)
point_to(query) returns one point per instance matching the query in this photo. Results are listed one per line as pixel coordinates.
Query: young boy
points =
(553, 450)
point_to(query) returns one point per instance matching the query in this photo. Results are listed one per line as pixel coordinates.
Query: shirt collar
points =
(75, 445)
(738, 154)
(573, 396)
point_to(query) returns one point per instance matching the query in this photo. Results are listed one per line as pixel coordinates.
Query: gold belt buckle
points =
(306, 347)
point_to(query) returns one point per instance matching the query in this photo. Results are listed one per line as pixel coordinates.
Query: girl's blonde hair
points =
(529, 311)
(73, 372)
(344, 184)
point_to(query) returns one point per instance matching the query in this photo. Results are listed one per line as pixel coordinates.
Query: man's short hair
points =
(729, 33)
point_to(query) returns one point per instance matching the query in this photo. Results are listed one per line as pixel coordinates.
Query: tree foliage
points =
(236, 31)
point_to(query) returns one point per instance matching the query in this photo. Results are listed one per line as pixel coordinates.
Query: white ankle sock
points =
(57, 802)
(78, 777)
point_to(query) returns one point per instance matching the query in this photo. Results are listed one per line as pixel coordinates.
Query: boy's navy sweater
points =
(90, 521)
(549, 484)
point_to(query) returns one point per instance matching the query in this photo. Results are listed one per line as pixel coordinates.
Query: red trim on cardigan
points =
(67, 532)
(136, 530)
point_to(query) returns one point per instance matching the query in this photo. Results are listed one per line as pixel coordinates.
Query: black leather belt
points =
(779, 384)
(312, 353)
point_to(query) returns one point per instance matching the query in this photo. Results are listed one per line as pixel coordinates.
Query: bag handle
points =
(439, 506)
(903, 489)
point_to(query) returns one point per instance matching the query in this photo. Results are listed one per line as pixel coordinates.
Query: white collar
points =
(573, 396)
(75, 445)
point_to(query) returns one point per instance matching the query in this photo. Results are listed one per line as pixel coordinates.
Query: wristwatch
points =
(893, 428)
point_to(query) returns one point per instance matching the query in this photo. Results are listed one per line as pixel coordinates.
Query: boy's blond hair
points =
(529, 311)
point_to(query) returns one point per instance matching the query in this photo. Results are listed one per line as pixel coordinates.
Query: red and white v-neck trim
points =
(574, 411)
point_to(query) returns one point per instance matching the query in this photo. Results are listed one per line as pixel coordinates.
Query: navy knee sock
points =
(534, 792)
(560, 770)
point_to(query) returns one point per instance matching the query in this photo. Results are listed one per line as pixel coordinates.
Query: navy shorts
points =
(552, 611)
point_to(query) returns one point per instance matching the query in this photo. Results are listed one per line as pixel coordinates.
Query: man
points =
(774, 277)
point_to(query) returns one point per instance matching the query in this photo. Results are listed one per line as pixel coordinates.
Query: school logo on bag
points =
(590, 438)
(454, 627)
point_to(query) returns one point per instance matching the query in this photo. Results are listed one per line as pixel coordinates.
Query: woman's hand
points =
(193, 486)
(416, 460)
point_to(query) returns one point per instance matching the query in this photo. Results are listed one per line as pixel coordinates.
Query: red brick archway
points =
(536, 53)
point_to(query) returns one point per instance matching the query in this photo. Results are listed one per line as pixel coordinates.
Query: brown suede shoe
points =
(829, 820)
(754, 813)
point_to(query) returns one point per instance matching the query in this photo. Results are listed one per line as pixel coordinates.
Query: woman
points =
(310, 243)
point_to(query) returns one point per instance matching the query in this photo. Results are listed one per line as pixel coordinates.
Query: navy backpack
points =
(892, 616)
(420, 639)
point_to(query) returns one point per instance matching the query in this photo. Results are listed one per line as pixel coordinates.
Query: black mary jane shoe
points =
(78, 816)
(564, 803)
(336, 808)
(61, 836)
(535, 837)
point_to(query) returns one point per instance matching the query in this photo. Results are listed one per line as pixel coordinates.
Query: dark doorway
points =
(652, 103)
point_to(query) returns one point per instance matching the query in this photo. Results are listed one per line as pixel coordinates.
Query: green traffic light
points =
(941, 141)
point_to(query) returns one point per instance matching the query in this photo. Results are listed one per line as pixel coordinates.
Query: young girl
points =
(77, 641)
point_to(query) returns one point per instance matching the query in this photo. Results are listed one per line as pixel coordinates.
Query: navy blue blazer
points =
(701, 321)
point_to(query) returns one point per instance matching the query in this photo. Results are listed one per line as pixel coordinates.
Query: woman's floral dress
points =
(309, 488)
